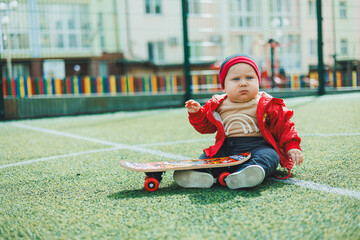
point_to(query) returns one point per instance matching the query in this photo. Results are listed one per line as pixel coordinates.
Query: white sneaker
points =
(193, 179)
(250, 176)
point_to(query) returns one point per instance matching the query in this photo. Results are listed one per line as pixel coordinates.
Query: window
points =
(312, 8)
(101, 30)
(60, 41)
(153, 6)
(290, 52)
(20, 70)
(156, 51)
(71, 22)
(73, 40)
(17, 41)
(196, 50)
(58, 24)
(244, 14)
(85, 40)
(16, 31)
(342, 9)
(54, 69)
(313, 48)
(84, 17)
(244, 44)
(343, 47)
(103, 68)
(194, 7)
(45, 40)
(64, 26)
(284, 13)
(20, 41)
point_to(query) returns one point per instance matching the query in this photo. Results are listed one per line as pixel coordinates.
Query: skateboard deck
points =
(154, 170)
(186, 164)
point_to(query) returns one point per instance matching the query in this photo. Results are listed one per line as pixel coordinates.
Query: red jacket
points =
(273, 120)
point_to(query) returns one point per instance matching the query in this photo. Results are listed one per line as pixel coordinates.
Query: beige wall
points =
(128, 29)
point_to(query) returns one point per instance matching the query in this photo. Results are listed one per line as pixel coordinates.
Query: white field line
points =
(57, 157)
(328, 134)
(94, 140)
(301, 183)
(320, 187)
(93, 151)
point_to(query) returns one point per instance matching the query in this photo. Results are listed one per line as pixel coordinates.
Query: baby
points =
(245, 120)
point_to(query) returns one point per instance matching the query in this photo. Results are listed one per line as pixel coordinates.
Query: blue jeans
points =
(262, 154)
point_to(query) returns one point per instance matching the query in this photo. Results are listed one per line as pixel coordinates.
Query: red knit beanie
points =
(234, 59)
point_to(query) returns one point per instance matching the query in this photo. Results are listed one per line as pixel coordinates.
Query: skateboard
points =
(155, 170)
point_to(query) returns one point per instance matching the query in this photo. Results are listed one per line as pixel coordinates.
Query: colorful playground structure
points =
(22, 87)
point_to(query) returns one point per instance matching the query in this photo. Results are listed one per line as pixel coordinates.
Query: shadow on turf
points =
(215, 194)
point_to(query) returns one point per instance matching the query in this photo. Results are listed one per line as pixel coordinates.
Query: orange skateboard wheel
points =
(151, 184)
(222, 177)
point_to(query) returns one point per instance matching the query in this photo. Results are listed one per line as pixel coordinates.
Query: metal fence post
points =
(321, 89)
(188, 83)
(2, 105)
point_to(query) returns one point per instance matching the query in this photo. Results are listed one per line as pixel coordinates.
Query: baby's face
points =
(241, 83)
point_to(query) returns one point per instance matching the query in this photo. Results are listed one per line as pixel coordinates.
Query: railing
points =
(129, 85)
(27, 87)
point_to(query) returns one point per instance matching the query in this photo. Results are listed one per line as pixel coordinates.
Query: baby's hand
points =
(192, 106)
(296, 156)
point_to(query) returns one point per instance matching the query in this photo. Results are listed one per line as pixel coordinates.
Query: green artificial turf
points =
(89, 196)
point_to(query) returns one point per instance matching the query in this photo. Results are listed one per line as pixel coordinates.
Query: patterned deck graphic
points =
(186, 164)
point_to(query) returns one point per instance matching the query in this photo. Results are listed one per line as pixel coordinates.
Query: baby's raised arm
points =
(192, 106)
